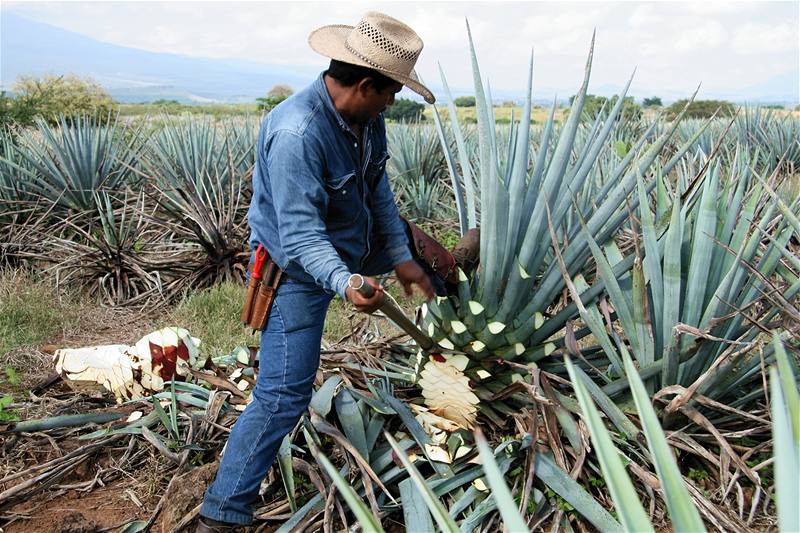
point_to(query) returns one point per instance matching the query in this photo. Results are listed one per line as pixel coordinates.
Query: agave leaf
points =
(365, 517)
(443, 519)
(562, 484)
(458, 192)
(352, 421)
(316, 503)
(791, 396)
(629, 509)
(608, 406)
(463, 155)
(500, 491)
(162, 416)
(415, 511)
(287, 472)
(322, 398)
(682, 510)
(672, 295)
(787, 455)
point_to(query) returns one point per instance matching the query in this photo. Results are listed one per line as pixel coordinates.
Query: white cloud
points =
(757, 39)
(705, 35)
(674, 44)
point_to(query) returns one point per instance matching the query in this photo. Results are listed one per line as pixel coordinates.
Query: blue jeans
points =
(288, 363)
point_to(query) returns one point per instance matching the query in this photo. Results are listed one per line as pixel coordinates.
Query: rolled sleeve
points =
(295, 167)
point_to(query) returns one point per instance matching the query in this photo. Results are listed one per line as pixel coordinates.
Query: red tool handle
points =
(261, 255)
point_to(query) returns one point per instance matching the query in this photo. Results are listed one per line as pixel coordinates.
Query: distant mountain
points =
(133, 75)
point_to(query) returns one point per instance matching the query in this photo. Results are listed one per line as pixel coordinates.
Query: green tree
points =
(653, 101)
(405, 110)
(592, 105)
(275, 96)
(51, 96)
(702, 108)
(21, 111)
(464, 101)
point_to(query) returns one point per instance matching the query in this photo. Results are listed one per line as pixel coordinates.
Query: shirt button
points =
(355, 145)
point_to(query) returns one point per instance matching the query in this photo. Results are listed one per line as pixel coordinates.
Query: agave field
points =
(624, 357)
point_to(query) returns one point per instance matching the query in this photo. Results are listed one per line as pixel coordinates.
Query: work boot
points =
(209, 525)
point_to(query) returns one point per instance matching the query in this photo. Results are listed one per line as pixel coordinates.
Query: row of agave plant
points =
(139, 211)
(134, 212)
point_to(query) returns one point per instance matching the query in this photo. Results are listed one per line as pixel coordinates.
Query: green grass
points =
(212, 315)
(215, 110)
(467, 115)
(32, 312)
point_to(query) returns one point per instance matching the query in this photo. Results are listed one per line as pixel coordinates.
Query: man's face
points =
(375, 102)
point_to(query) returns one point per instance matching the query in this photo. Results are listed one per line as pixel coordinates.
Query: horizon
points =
(734, 51)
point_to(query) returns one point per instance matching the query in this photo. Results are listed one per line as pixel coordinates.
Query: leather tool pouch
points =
(260, 295)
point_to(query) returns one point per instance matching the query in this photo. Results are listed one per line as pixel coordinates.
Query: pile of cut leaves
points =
(370, 452)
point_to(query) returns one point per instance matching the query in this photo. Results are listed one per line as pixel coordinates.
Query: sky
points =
(728, 47)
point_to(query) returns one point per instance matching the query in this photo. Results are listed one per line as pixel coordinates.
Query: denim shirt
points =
(321, 202)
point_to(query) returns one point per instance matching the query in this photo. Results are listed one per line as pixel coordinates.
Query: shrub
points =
(464, 101)
(405, 110)
(51, 96)
(275, 96)
(593, 104)
(701, 108)
(653, 101)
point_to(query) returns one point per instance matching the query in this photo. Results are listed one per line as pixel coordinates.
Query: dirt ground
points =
(101, 509)
(68, 505)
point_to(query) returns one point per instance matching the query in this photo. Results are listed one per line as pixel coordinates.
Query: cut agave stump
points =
(131, 372)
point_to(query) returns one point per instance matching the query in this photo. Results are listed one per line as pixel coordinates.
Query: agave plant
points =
(500, 311)
(679, 307)
(199, 170)
(112, 251)
(68, 163)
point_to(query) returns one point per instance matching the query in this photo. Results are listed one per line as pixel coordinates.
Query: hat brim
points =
(329, 41)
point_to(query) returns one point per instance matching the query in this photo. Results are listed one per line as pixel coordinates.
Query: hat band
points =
(365, 59)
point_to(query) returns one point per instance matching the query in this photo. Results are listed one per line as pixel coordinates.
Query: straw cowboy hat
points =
(378, 42)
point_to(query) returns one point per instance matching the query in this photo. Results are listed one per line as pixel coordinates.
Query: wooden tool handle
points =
(392, 311)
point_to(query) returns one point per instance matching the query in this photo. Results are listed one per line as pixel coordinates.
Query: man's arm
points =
(295, 168)
(388, 223)
(391, 227)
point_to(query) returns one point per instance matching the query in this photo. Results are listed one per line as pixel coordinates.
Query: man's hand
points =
(362, 303)
(410, 274)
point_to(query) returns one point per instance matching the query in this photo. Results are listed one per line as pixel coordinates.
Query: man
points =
(323, 208)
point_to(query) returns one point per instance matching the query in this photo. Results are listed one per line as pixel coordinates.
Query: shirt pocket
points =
(343, 201)
(376, 168)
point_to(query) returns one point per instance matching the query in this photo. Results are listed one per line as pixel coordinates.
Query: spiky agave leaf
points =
(786, 436)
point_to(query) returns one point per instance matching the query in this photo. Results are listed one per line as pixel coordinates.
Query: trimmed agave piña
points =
(500, 311)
